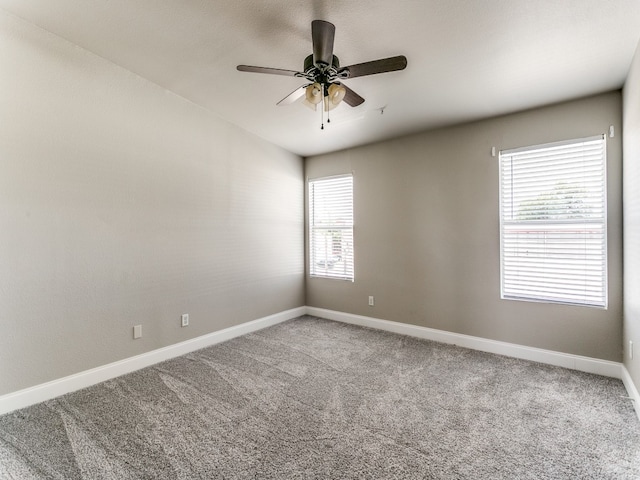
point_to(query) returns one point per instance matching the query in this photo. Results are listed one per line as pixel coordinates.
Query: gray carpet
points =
(311, 398)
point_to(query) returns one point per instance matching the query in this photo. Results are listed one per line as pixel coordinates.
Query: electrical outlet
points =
(185, 319)
(137, 331)
(371, 301)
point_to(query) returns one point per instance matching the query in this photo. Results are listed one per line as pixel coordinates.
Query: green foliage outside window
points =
(565, 201)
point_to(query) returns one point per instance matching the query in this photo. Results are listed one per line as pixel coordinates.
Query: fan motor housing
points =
(308, 63)
(316, 73)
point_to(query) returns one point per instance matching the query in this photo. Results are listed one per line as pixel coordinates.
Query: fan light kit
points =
(322, 69)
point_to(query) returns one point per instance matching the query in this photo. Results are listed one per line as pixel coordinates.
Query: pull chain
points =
(322, 107)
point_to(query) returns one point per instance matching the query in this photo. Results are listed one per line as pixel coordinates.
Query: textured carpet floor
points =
(311, 398)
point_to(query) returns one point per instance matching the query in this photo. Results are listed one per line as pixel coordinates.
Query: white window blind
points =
(331, 227)
(553, 227)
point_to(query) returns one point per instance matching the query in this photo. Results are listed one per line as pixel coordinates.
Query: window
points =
(553, 227)
(331, 227)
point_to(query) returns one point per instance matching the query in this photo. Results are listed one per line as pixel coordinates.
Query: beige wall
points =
(123, 204)
(631, 201)
(427, 232)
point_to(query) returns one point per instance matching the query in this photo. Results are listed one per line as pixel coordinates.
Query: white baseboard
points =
(575, 362)
(71, 383)
(631, 389)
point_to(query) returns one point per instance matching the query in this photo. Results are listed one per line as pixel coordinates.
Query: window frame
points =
(343, 228)
(554, 226)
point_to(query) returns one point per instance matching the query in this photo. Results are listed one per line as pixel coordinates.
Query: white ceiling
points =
(467, 59)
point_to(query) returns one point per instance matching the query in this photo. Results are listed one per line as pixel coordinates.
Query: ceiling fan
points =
(325, 75)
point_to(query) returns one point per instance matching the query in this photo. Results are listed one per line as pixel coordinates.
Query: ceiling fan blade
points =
(351, 98)
(272, 71)
(293, 96)
(322, 35)
(383, 65)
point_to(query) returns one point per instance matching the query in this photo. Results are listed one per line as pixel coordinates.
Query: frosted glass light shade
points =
(313, 94)
(335, 94)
